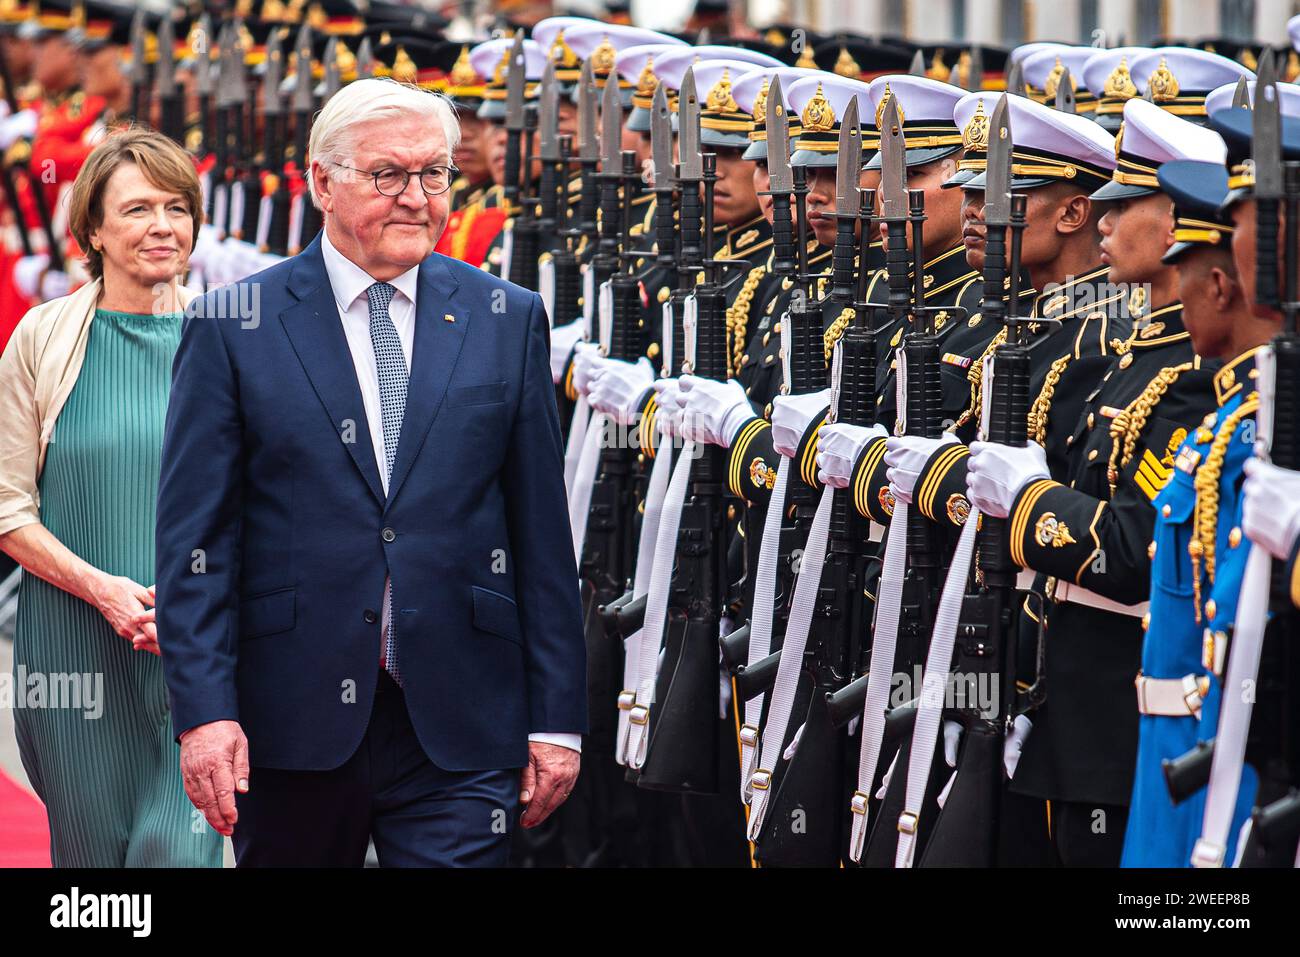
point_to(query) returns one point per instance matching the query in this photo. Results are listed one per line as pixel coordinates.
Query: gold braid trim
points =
(1043, 404)
(1205, 518)
(738, 318)
(836, 330)
(976, 379)
(1128, 425)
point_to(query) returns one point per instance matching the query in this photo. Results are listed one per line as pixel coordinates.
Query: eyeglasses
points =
(392, 180)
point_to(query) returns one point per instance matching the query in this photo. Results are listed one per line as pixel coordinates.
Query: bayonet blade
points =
(688, 128)
(1065, 93)
(330, 61)
(588, 147)
(997, 173)
(137, 47)
(778, 140)
(304, 97)
(1016, 80)
(893, 163)
(1241, 95)
(975, 79)
(1266, 138)
(166, 57)
(548, 116)
(661, 139)
(611, 128)
(271, 100)
(918, 64)
(515, 86)
(203, 57)
(849, 162)
(365, 59)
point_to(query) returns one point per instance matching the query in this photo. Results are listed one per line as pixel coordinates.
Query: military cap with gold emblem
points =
(1107, 76)
(751, 93)
(1198, 191)
(1178, 79)
(636, 65)
(600, 43)
(670, 65)
(722, 122)
(1044, 71)
(926, 108)
(552, 35)
(492, 60)
(1148, 137)
(971, 115)
(858, 58)
(464, 84)
(411, 60)
(820, 103)
(1236, 126)
(1050, 146)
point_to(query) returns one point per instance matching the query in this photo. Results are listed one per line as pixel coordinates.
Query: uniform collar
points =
(748, 237)
(1161, 327)
(1055, 301)
(1232, 378)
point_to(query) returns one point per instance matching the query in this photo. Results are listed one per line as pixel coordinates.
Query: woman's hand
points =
(121, 601)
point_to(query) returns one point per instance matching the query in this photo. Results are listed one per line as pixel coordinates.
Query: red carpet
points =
(24, 834)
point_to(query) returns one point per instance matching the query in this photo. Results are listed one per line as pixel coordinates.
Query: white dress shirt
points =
(349, 283)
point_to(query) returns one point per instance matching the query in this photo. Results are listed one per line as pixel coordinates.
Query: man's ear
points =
(1076, 214)
(1222, 288)
(324, 187)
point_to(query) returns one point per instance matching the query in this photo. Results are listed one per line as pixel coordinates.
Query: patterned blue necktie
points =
(393, 377)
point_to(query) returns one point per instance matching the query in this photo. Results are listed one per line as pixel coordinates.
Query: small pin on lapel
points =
(448, 318)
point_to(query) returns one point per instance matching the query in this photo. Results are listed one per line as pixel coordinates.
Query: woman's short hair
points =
(163, 163)
(333, 137)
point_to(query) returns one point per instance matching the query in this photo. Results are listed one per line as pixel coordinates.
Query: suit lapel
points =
(438, 343)
(316, 334)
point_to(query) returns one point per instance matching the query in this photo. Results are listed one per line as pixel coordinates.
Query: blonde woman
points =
(84, 383)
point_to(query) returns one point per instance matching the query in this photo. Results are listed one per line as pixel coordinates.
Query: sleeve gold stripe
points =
(569, 390)
(739, 448)
(1096, 542)
(808, 464)
(1295, 584)
(1019, 518)
(942, 466)
(646, 429)
(866, 465)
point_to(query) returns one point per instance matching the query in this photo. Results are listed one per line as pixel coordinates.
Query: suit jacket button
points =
(388, 534)
(369, 616)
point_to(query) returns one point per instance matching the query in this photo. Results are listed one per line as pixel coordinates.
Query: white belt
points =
(1025, 578)
(876, 533)
(1172, 697)
(1082, 596)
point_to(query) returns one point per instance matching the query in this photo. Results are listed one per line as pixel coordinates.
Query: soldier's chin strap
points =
(656, 492)
(1243, 666)
(938, 665)
(881, 669)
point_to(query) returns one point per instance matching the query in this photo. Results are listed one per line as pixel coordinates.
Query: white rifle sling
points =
(938, 664)
(507, 249)
(1243, 666)
(656, 609)
(645, 553)
(760, 630)
(546, 287)
(792, 650)
(888, 604)
(584, 479)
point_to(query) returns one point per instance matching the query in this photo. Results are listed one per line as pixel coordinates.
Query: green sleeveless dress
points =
(98, 743)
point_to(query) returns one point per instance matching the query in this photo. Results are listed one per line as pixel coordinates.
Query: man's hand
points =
(546, 782)
(214, 764)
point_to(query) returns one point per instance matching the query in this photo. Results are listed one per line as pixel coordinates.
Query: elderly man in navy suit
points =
(367, 599)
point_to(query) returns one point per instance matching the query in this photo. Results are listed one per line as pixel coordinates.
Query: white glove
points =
(838, 448)
(20, 126)
(905, 456)
(952, 732)
(1015, 743)
(586, 357)
(55, 285)
(563, 339)
(791, 416)
(1270, 511)
(996, 474)
(669, 417)
(712, 411)
(27, 274)
(615, 386)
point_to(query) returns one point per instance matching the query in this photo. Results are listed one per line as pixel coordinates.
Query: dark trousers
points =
(417, 814)
(1088, 834)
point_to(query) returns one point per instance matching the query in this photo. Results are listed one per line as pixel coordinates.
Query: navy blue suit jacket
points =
(273, 529)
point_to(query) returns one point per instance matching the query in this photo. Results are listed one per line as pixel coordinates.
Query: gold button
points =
(1210, 609)
(766, 337)
(744, 358)
(731, 513)
(1092, 455)
(652, 350)
(1127, 361)
(767, 412)
(640, 457)
(1234, 538)
(1146, 621)
(1091, 420)
(776, 327)
(1069, 440)
(1151, 551)
(1165, 511)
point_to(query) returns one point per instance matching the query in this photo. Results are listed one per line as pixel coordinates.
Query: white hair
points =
(333, 137)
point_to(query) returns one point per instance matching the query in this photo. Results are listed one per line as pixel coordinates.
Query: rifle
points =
(171, 99)
(35, 186)
(813, 777)
(256, 226)
(522, 266)
(304, 104)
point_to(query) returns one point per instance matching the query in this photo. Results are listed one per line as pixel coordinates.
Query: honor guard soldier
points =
(1044, 71)
(1090, 536)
